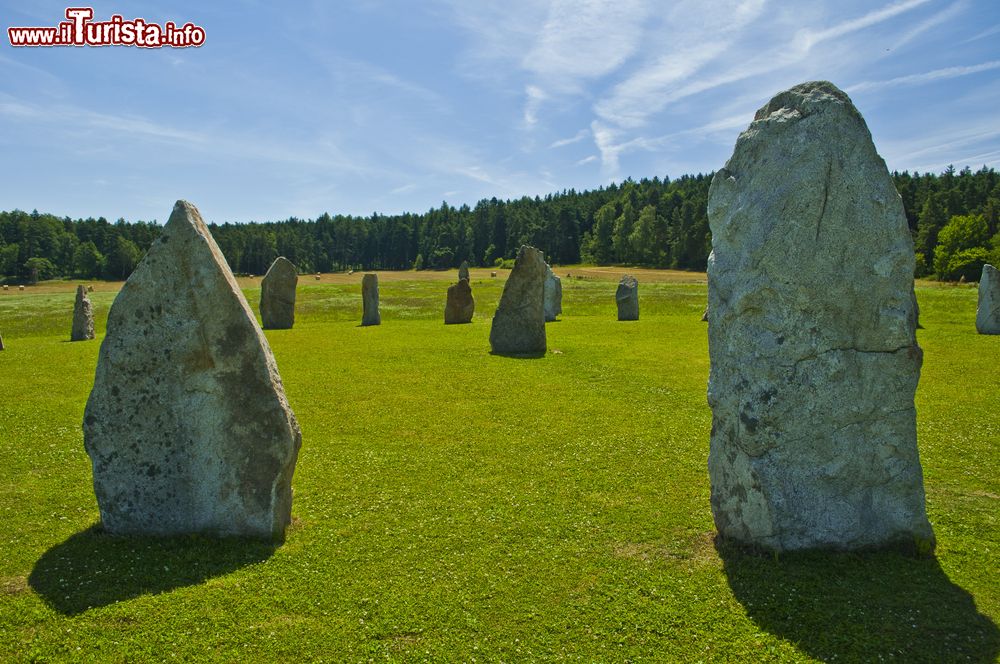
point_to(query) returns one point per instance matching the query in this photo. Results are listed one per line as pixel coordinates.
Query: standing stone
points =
(277, 295)
(627, 297)
(553, 295)
(187, 426)
(463, 271)
(369, 300)
(83, 316)
(1, 342)
(814, 359)
(988, 313)
(704, 315)
(460, 306)
(519, 323)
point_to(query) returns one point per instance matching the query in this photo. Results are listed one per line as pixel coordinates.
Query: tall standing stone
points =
(814, 359)
(988, 313)
(460, 306)
(463, 271)
(187, 427)
(369, 300)
(277, 295)
(83, 316)
(1, 342)
(518, 326)
(627, 297)
(552, 295)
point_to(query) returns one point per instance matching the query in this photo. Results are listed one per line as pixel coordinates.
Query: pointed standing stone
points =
(553, 295)
(463, 271)
(277, 295)
(627, 297)
(814, 359)
(518, 326)
(460, 306)
(187, 426)
(1, 342)
(369, 300)
(83, 316)
(988, 312)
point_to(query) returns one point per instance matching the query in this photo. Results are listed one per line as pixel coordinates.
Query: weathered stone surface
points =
(627, 297)
(814, 359)
(369, 300)
(552, 295)
(519, 323)
(83, 316)
(463, 271)
(187, 426)
(277, 295)
(988, 313)
(460, 305)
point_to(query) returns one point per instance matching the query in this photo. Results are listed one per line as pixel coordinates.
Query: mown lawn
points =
(452, 505)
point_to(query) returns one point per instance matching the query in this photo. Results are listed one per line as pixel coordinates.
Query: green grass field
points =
(452, 505)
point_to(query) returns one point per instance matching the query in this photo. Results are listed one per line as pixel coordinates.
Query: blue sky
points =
(362, 106)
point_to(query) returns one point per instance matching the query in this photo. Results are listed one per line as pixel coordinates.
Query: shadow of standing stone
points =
(861, 607)
(92, 568)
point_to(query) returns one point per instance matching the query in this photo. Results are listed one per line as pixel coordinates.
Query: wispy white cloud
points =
(404, 189)
(576, 138)
(989, 32)
(806, 38)
(943, 16)
(587, 160)
(926, 77)
(535, 96)
(586, 38)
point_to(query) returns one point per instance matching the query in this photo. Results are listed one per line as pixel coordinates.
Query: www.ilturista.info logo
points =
(79, 30)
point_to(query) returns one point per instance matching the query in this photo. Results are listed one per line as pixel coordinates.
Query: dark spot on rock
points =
(749, 422)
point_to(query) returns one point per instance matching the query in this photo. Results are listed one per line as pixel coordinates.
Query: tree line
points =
(651, 222)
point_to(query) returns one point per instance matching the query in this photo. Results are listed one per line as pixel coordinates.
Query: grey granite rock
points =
(627, 297)
(814, 359)
(463, 271)
(83, 316)
(187, 427)
(369, 300)
(988, 312)
(552, 295)
(460, 305)
(277, 295)
(518, 326)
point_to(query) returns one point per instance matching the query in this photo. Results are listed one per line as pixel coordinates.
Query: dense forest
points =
(656, 222)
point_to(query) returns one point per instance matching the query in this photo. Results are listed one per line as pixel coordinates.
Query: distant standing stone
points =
(460, 306)
(187, 427)
(988, 313)
(704, 315)
(1, 342)
(627, 297)
(813, 355)
(553, 295)
(463, 270)
(519, 323)
(277, 295)
(369, 300)
(83, 316)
